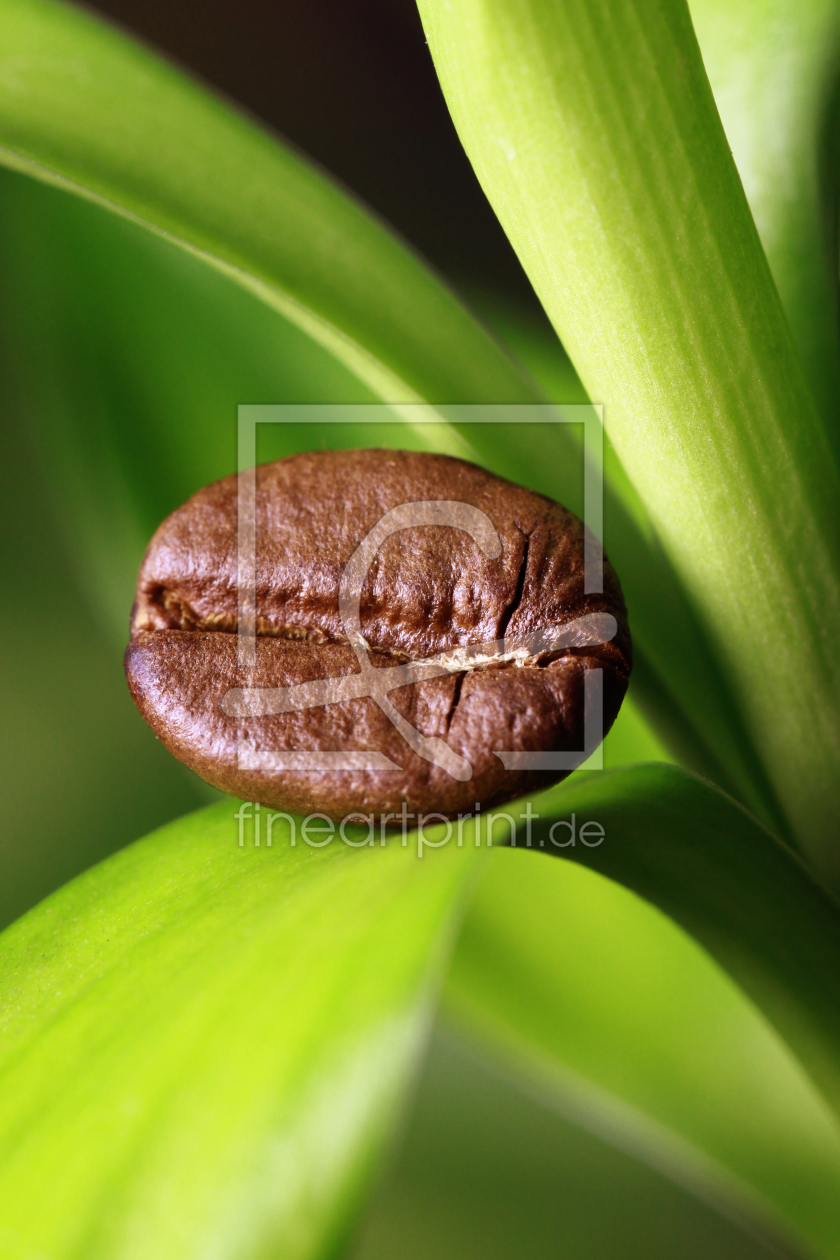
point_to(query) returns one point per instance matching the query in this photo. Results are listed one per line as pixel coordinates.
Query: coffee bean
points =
(422, 635)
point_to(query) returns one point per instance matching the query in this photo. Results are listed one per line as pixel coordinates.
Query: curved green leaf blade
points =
(83, 107)
(126, 359)
(595, 135)
(774, 67)
(694, 853)
(605, 1004)
(203, 1046)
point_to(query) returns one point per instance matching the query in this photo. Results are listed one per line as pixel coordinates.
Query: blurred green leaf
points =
(774, 67)
(122, 361)
(596, 995)
(125, 360)
(610, 996)
(203, 1046)
(595, 135)
(497, 1165)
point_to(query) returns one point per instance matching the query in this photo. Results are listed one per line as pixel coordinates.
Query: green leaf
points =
(594, 132)
(126, 360)
(499, 1165)
(203, 1046)
(611, 999)
(611, 1010)
(87, 109)
(774, 67)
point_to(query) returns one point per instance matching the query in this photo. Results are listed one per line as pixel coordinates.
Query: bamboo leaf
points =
(595, 135)
(687, 848)
(203, 1046)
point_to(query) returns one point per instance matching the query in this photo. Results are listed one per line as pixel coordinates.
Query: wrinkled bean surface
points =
(429, 590)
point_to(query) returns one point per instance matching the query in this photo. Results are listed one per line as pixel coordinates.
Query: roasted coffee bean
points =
(422, 636)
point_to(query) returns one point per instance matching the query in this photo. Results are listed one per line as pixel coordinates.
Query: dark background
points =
(351, 83)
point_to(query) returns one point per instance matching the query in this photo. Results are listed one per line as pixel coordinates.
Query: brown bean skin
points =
(429, 589)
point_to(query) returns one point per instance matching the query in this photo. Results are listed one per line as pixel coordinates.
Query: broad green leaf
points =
(121, 364)
(594, 133)
(615, 1001)
(203, 1046)
(774, 67)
